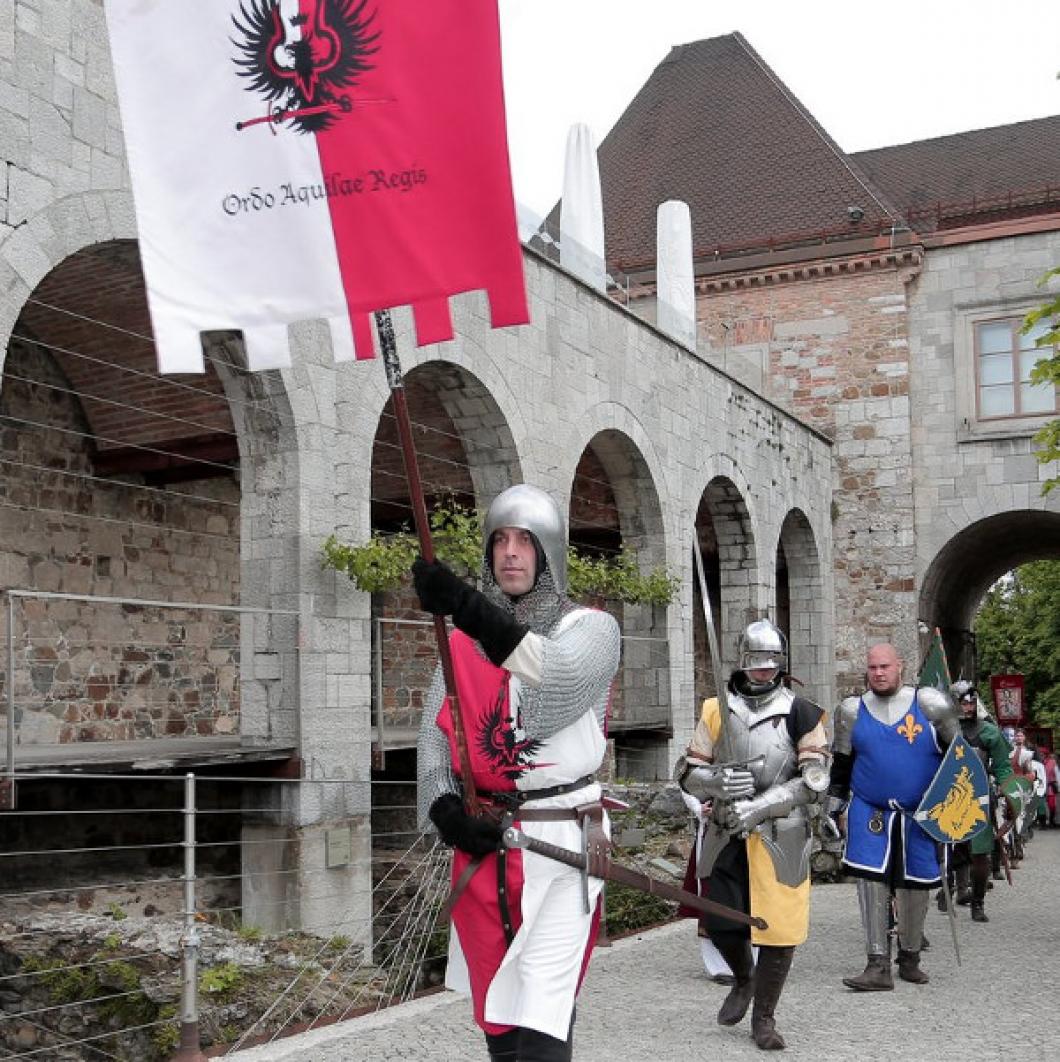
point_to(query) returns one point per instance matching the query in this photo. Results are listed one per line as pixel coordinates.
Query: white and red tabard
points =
(295, 159)
(554, 933)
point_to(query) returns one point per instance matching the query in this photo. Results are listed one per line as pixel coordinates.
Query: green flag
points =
(933, 671)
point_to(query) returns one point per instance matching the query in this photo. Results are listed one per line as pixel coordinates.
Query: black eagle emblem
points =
(499, 745)
(303, 57)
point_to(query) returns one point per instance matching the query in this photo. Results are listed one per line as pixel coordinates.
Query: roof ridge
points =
(956, 136)
(843, 157)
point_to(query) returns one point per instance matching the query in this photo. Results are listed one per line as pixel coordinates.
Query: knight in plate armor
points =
(760, 762)
(887, 745)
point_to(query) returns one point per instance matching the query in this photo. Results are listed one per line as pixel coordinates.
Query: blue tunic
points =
(893, 767)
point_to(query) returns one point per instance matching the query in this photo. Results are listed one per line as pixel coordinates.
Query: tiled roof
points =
(1007, 170)
(715, 127)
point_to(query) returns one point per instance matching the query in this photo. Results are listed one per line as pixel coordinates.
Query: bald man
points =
(888, 744)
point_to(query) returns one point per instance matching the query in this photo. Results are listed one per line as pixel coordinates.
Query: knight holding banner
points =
(761, 760)
(887, 747)
(533, 674)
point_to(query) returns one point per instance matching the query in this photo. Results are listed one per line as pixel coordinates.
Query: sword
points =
(951, 912)
(602, 867)
(999, 836)
(719, 814)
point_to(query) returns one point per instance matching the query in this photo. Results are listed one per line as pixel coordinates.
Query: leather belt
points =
(515, 797)
(595, 845)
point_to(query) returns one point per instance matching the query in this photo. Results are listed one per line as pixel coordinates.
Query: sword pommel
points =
(515, 838)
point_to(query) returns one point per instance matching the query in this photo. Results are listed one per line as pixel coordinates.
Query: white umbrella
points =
(675, 289)
(581, 219)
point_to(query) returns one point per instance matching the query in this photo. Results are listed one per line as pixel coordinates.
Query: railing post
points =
(7, 784)
(188, 1051)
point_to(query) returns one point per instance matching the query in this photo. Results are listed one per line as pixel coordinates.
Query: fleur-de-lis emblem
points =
(910, 728)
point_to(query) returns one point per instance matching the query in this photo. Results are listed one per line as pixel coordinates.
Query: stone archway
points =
(615, 506)
(466, 454)
(119, 484)
(730, 556)
(804, 619)
(973, 559)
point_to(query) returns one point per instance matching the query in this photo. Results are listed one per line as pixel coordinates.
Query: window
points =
(1004, 358)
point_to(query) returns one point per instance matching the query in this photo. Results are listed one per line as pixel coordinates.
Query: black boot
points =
(537, 1046)
(770, 975)
(503, 1047)
(980, 881)
(964, 892)
(736, 951)
(909, 967)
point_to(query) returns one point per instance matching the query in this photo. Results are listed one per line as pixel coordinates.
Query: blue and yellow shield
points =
(957, 804)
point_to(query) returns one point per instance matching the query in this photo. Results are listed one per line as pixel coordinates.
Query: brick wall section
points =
(96, 672)
(835, 350)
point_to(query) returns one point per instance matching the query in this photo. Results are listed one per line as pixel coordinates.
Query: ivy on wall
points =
(383, 563)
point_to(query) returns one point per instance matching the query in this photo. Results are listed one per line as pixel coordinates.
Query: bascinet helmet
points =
(531, 509)
(964, 693)
(762, 647)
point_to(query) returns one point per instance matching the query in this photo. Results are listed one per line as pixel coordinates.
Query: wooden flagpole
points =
(396, 383)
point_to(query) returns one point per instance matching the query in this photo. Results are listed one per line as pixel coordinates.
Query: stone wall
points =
(834, 348)
(95, 671)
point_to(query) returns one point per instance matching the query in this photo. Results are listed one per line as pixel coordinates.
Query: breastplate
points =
(758, 736)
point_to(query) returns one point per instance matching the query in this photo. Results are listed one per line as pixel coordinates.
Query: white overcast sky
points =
(873, 74)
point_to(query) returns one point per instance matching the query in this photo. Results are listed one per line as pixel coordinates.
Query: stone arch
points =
(621, 435)
(466, 453)
(805, 619)
(152, 471)
(725, 527)
(964, 568)
(464, 442)
(54, 234)
(615, 505)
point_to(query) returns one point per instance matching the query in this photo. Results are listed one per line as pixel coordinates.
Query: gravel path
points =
(647, 997)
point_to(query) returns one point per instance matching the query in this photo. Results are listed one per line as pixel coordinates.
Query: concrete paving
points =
(647, 997)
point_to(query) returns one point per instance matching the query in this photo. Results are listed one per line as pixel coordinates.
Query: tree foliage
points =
(383, 562)
(1047, 371)
(1017, 631)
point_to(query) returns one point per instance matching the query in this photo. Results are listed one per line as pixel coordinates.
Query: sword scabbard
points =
(635, 879)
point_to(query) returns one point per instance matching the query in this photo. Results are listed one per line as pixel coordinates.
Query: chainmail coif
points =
(540, 609)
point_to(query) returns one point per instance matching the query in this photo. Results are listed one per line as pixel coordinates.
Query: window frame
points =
(970, 424)
(1014, 353)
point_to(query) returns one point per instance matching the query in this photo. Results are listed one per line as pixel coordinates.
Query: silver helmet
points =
(762, 647)
(531, 509)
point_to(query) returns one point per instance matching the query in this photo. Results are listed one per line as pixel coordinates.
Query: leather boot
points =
(980, 881)
(537, 1046)
(964, 889)
(503, 1047)
(909, 967)
(770, 975)
(736, 951)
(875, 978)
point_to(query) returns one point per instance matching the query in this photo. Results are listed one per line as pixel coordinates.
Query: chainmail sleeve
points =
(579, 661)
(434, 771)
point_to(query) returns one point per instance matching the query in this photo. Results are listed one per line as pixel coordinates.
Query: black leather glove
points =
(443, 593)
(470, 833)
(439, 589)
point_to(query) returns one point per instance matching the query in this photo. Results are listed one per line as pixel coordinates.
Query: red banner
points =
(1008, 699)
(295, 159)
